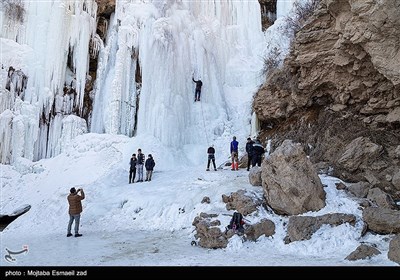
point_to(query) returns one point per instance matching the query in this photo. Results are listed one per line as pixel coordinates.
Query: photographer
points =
(75, 210)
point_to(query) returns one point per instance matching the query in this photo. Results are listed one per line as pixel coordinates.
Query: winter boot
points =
(233, 166)
(215, 169)
(237, 166)
(208, 169)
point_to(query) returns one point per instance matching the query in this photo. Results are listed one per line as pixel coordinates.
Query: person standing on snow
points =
(211, 157)
(132, 169)
(235, 154)
(249, 151)
(75, 210)
(149, 167)
(258, 151)
(139, 165)
(197, 91)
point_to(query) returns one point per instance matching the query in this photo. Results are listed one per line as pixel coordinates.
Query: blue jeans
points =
(71, 220)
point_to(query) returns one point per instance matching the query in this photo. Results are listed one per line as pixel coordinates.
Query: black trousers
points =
(132, 175)
(211, 158)
(197, 95)
(256, 161)
(249, 160)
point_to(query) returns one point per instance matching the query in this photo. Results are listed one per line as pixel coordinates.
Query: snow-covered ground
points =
(150, 223)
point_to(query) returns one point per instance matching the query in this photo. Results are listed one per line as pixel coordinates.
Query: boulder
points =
(363, 252)
(396, 179)
(208, 232)
(381, 198)
(206, 199)
(359, 189)
(340, 186)
(394, 249)
(242, 201)
(255, 176)
(382, 220)
(303, 227)
(290, 182)
(264, 227)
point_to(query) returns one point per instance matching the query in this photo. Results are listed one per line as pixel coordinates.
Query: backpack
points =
(236, 221)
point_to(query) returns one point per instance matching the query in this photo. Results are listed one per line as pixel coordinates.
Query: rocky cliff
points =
(338, 92)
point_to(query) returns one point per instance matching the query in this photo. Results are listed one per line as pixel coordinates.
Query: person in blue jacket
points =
(235, 154)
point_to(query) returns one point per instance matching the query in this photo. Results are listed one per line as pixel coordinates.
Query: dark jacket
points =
(234, 146)
(149, 164)
(199, 83)
(75, 204)
(249, 148)
(258, 149)
(133, 163)
(211, 150)
(140, 159)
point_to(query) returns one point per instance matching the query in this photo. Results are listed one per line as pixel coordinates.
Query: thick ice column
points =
(175, 41)
(53, 39)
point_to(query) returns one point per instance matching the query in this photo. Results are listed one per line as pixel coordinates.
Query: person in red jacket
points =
(75, 210)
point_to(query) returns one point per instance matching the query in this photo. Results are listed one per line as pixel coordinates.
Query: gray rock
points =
(242, 201)
(255, 176)
(363, 252)
(381, 198)
(358, 153)
(290, 182)
(382, 220)
(206, 199)
(394, 249)
(264, 227)
(359, 189)
(303, 227)
(209, 235)
(340, 186)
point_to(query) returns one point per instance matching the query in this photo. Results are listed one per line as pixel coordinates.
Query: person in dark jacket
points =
(139, 165)
(197, 91)
(211, 157)
(75, 210)
(235, 154)
(258, 151)
(132, 169)
(150, 163)
(249, 151)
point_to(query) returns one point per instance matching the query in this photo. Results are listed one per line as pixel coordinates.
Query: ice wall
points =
(48, 42)
(219, 42)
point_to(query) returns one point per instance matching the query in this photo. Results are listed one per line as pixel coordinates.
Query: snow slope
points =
(144, 224)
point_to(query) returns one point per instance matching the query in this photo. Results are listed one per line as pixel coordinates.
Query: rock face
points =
(394, 249)
(303, 227)
(339, 91)
(290, 182)
(362, 252)
(242, 201)
(382, 220)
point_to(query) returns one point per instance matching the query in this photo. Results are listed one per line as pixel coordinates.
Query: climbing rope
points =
(204, 123)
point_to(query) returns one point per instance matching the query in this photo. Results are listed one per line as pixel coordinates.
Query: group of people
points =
(137, 163)
(254, 150)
